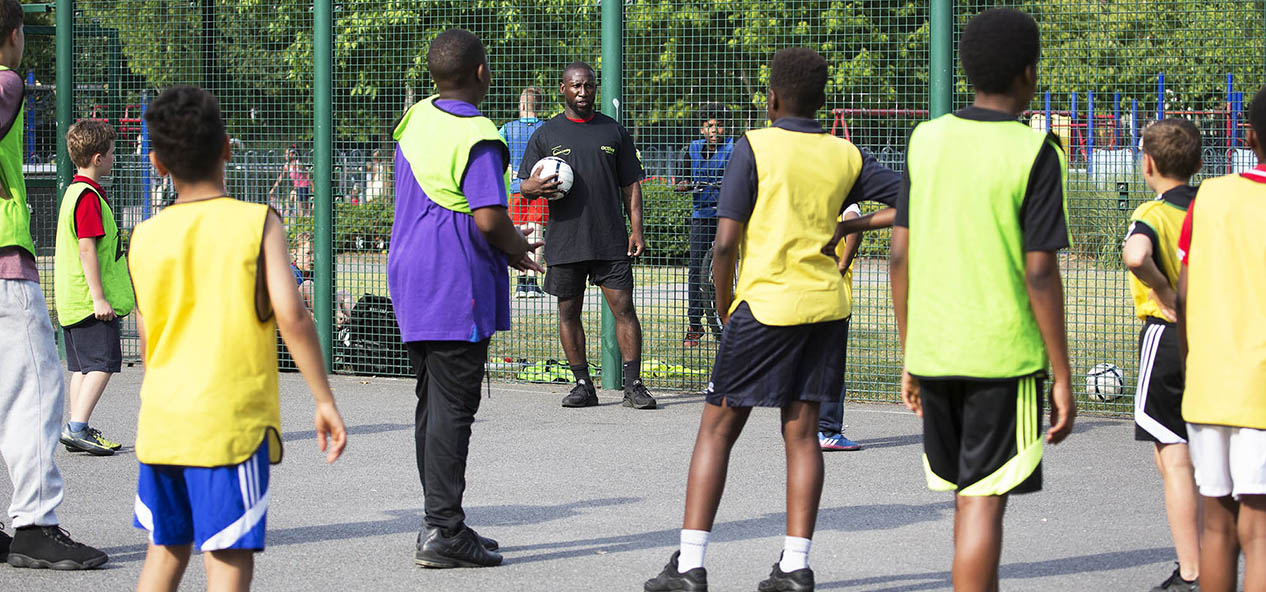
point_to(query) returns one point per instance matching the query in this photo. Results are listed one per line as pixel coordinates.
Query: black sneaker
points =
(671, 580)
(582, 395)
(50, 547)
(637, 397)
(1175, 583)
(463, 549)
(800, 580)
(5, 540)
(485, 542)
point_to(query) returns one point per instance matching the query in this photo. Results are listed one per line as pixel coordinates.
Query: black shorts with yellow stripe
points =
(983, 437)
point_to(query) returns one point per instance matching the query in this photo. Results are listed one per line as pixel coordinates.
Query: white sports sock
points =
(694, 545)
(795, 554)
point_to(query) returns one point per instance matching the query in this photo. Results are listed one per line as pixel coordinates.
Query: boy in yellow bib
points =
(92, 289)
(213, 286)
(1222, 329)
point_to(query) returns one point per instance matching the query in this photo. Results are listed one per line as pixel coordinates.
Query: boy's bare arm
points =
(295, 323)
(500, 232)
(101, 308)
(852, 243)
(724, 256)
(140, 336)
(899, 277)
(1046, 295)
(1137, 254)
(873, 221)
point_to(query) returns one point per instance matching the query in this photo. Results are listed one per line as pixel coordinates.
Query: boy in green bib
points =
(977, 291)
(92, 289)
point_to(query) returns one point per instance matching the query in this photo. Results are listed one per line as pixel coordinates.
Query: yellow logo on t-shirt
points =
(607, 149)
(560, 151)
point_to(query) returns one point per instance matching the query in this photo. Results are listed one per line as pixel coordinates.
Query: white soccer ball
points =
(1105, 382)
(553, 165)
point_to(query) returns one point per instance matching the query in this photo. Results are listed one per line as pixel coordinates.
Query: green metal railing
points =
(330, 77)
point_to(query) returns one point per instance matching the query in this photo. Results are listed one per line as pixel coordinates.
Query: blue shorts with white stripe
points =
(214, 508)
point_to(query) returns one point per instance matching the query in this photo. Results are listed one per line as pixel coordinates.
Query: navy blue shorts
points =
(762, 365)
(94, 345)
(214, 508)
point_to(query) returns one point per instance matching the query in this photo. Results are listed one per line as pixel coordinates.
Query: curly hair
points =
(10, 17)
(454, 54)
(89, 138)
(997, 46)
(710, 111)
(1174, 145)
(798, 75)
(1257, 113)
(186, 131)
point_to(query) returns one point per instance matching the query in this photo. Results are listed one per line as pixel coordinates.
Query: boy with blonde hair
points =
(91, 286)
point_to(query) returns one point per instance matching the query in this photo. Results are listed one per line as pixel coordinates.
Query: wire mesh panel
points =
(1107, 70)
(683, 61)
(256, 58)
(380, 70)
(39, 140)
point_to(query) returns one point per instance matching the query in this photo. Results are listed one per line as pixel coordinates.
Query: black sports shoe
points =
(800, 580)
(582, 395)
(485, 542)
(50, 547)
(637, 397)
(463, 549)
(670, 580)
(1175, 583)
(5, 540)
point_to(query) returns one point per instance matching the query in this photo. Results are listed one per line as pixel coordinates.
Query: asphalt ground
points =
(591, 499)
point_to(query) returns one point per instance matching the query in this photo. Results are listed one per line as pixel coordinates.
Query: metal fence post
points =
(941, 57)
(65, 90)
(612, 92)
(323, 161)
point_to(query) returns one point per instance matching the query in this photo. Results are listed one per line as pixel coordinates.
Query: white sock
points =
(795, 554)
(694, 545)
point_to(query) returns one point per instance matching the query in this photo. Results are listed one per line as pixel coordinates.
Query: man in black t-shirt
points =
(586, 238)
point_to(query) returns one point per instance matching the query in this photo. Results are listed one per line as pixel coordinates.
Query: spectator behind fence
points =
(300, 195)
(91, 286)
(524, 212)
(707, 159)
(31, 380)
(376, 175)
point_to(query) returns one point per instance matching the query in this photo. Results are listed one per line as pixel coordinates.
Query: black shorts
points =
(93, 346)
(1158, 402)
(567, 280)
(762, 365)
(983, 437)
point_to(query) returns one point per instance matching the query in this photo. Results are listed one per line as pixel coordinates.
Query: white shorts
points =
(1228, 460)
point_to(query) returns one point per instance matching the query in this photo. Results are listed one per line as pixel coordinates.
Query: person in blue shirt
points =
(525, 213)
(707, 159)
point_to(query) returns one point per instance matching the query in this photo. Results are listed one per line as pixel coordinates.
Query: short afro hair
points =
(1257, 113)
(799, 75)
(997, 46)
(88, 138)
(186, 131)
(454, 55)
(709, 111)
(1174, 145)
(574, 66)
(10, 17)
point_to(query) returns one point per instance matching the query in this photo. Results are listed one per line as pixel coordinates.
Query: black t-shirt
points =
(1042, 210)
(588, 223)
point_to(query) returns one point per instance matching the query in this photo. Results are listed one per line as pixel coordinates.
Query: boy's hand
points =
(329, 424)
(1063, 411)
(102, 310)
(539, 186)
(525, 263)
(1168, 300)
(910, 394)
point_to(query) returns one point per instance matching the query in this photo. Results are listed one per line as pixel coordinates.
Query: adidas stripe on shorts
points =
(1158, 402)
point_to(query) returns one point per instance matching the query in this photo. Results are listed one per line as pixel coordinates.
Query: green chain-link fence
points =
(1108, 68)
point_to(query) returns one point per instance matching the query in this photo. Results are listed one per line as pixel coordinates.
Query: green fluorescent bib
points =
(15, 218)
(437, 145)
(70, 286)
(969, 311)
